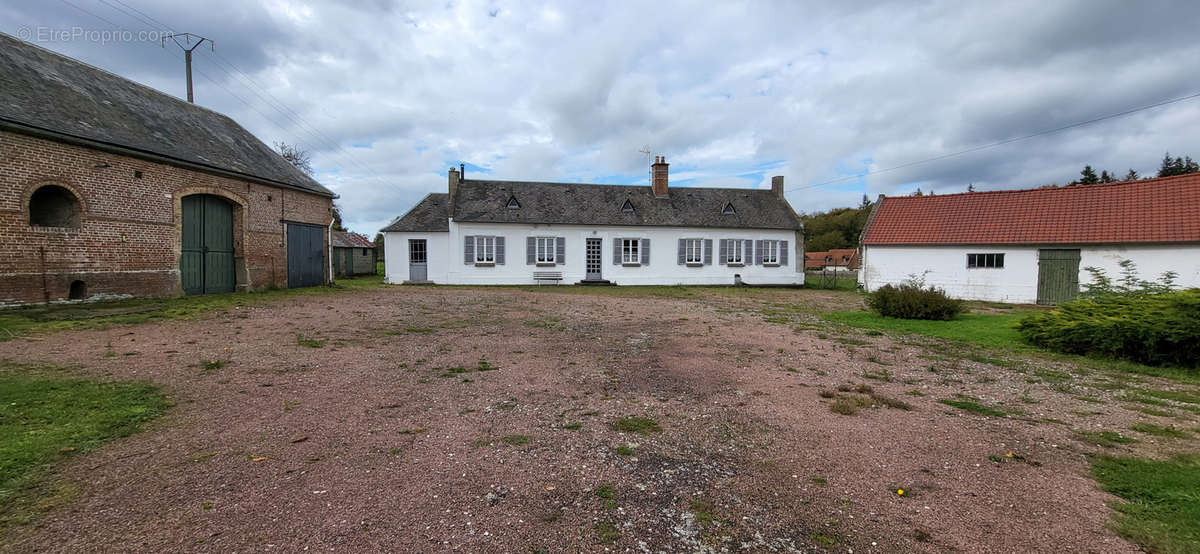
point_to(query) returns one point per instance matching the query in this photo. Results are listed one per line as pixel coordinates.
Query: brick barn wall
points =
(128, 240)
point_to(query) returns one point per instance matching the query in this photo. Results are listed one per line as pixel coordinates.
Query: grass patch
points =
(994, 330)
(1161, 512)
(41, 319)
(44, 419)
(1106, 439)
(1160, 431)
(606, 491)
(625, 450)
(970, 404)
(639, 425)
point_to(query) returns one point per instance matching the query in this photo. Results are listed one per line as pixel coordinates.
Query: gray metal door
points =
(418, 260)
(1058, 276)
(593, 260)
(305, 255)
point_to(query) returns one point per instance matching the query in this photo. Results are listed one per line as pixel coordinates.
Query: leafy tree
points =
(1131, 176)
(837, 228)
(378, 246)
(1106, 177)
(337, 218)
(1177, 166)
(296, 156)
(971, 187)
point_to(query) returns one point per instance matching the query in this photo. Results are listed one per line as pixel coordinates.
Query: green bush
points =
(912, 300)
(1151, 328)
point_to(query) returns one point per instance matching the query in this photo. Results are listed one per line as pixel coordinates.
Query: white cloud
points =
(387, 96)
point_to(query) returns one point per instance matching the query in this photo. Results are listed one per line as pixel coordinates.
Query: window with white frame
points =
(485, 250)
(985, 260)
(770, 255)
(545, 250)
(630, 253)
(693, 251)
(735, 251)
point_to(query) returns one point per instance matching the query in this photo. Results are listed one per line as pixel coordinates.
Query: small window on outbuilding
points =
(627, 207)
(985, 260)
(513, 204)
(728, 209)
(53, 206)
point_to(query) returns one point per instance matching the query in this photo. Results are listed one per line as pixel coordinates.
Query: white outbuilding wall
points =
(446, 261)
(1017, 282)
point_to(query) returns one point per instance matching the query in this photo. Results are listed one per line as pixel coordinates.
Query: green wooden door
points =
(349, 261)
(1058, 276)
(206, 257)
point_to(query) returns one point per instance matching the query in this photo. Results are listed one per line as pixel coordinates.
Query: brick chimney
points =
(777, 185)
(456, 176)
(659, 172)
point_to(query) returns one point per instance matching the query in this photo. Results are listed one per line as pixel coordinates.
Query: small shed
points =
(353, 254)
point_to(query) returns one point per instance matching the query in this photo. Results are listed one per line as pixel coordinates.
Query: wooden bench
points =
(539, 276)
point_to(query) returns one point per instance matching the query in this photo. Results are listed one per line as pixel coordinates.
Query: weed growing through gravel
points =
(309, 342)
(624, 450)
(210, 366)
(516, 440)
(1160, 431)
(844, 405)
(606, 491)
(606, 532)
(971, 404)
(412, 431)
(704, 510)
(574, 426)
(639, 425)
(1106, 439)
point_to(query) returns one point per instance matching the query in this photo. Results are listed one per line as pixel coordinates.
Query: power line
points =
(274, 103)
(1000, 143)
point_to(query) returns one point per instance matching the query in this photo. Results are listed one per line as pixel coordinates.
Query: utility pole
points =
(187, 47)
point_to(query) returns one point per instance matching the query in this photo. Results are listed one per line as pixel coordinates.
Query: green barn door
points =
(206, 257)
(1058, 276)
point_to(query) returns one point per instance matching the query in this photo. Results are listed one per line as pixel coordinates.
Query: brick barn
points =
(112, 189)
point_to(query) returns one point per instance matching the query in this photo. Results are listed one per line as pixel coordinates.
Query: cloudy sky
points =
(388, 95)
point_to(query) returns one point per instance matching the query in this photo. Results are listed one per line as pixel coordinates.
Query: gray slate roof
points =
(431, 214)
(584, 204)
(57, 97)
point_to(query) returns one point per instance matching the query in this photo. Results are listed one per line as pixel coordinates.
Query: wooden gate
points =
(1058, 276)
(305, 255)
(206, 253)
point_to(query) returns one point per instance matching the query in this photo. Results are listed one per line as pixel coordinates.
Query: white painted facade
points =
(1017, 282)
(446, 264)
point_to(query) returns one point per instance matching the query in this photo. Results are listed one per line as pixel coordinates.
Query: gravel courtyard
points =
(463, 419)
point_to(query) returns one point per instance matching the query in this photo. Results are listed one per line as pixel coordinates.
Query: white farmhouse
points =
(518, 233)
(1027, 246)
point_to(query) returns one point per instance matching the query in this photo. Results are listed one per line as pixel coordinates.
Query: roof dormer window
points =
(628, 207)
(513, 204)
(728, 209)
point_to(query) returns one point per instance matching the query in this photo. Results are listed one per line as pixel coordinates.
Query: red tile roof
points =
(342, 239)
(1153, 210)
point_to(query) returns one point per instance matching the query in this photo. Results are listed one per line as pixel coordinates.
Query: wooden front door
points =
(206, 254)
(305, 255)
(1058, 276)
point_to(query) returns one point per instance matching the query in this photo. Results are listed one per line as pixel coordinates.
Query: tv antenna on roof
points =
(649, 170)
